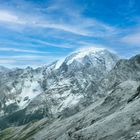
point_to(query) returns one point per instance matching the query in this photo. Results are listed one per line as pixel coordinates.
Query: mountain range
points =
(92, 94)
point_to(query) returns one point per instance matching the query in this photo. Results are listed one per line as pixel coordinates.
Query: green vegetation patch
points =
(6, 134)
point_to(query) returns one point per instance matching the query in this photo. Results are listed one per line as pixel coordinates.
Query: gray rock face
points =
(124, 70)
(113, 117)
(110, 118)
(58, 90)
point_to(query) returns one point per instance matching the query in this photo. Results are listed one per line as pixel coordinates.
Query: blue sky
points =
(37, 32)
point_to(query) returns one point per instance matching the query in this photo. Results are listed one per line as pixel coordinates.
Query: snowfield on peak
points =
(88, 55)
(78, 55)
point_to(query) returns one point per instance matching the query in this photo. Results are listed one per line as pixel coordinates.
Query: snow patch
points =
(59, 63)
(30, 90)
(9, 102)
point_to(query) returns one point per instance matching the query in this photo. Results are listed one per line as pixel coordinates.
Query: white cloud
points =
(133, 39)
(9, 17)
(23, 57)
(59, 45)
(5, 61)
(89, 27)
(22, 50)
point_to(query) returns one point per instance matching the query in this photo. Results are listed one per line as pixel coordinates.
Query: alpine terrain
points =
(91, 94)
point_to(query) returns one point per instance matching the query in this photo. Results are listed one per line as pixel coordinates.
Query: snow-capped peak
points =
(77, 55)
(84, 52)
(89, 50)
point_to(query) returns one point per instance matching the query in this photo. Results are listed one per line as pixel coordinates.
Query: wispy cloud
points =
(25, 60)
(89, 27)
(55, 28)
(9, 17)
(132, 39)
(23, 57)
(22, 50)
(46, 43)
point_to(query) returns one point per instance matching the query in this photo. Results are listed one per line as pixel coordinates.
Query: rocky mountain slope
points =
(58, 90)
(4, 69)
(115, 116)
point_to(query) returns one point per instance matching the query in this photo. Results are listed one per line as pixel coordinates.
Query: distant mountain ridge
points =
(4, 69)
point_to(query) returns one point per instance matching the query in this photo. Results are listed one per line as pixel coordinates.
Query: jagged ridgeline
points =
(90, 95)
(58, 90)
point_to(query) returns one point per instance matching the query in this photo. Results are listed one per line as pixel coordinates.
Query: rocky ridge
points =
(53, 91)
